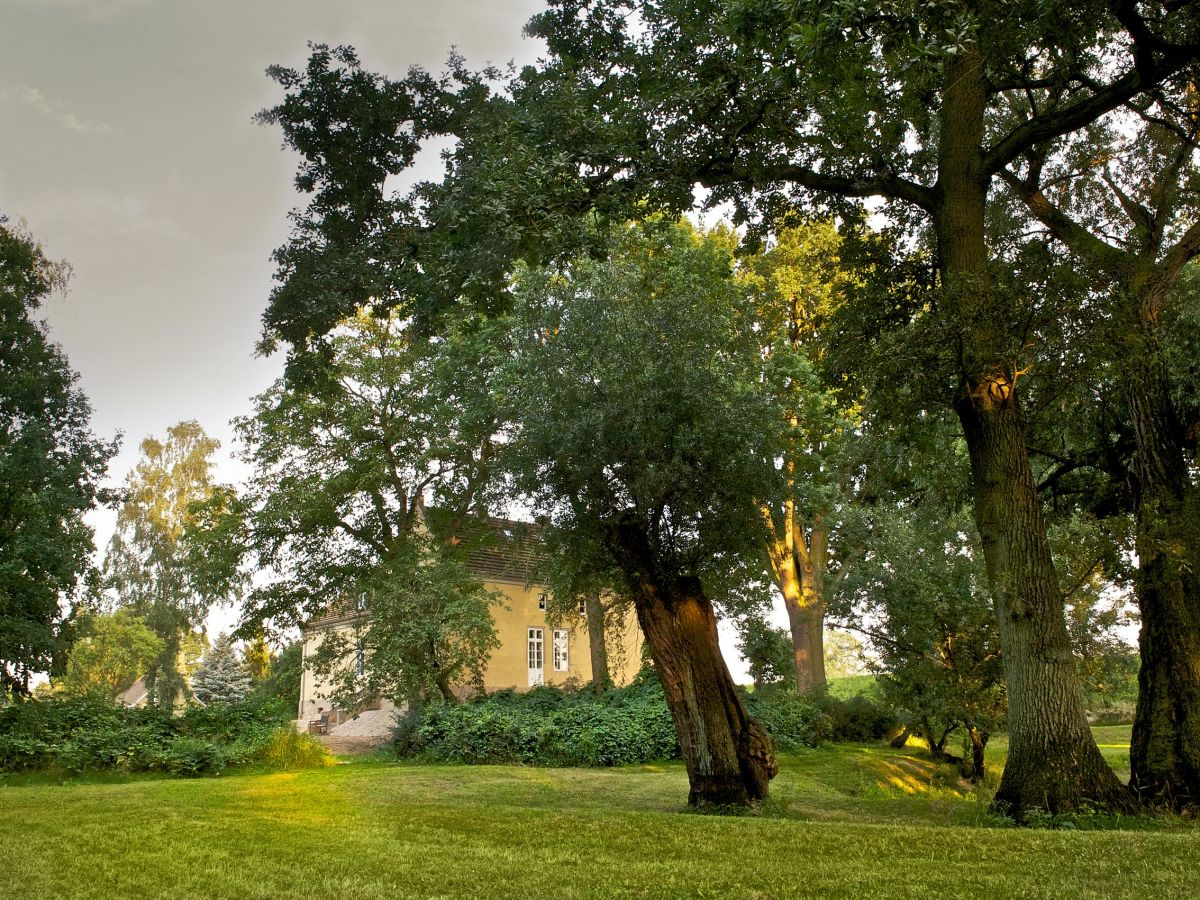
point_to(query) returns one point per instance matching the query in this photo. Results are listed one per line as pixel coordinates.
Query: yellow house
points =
(534, 650)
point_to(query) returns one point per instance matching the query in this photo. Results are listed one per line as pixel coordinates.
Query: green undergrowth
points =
(844, 821)
(550, 726)
(87, 736)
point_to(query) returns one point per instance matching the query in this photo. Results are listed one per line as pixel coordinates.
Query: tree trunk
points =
(730, 758)
(798, 565)
(979, 738)
(1053, 761)
(902, 738)
(597, 642)
(1165, 747)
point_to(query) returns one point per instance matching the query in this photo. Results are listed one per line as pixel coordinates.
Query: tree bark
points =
(730, 758)
(1053, 760)
(597, 642)
(1165, 747)
(798, 564)
(979, 738)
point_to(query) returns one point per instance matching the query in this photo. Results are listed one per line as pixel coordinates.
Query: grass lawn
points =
(851, 821)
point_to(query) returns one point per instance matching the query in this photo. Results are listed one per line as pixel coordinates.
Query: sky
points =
(129, 151)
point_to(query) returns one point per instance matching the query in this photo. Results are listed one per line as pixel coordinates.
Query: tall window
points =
(360, 660)
(537, 658)
(541, 601)
(562, 644)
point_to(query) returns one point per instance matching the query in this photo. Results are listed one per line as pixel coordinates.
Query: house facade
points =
(535, 649)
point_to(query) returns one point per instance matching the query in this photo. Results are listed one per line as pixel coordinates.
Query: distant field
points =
(849, 821)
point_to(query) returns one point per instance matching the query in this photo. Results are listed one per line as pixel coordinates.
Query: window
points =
(362, 601)
(562, 643)
(536, 654)
(541, 601)
(360, 660)
(582, 606)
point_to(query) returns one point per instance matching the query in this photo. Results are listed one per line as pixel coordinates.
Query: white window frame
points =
(562, 650)
(535, 654)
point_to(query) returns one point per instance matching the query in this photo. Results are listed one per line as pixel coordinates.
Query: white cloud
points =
(32, 98)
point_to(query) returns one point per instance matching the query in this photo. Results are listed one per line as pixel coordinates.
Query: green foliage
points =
(113, 652)
(335, 511)
(549, 726)
(768, 652)
(148, 567)
(221, 676)
(90, 734)
(857, 719)
(634, 395)
(288, 751)
(282, 684)
(50, 468)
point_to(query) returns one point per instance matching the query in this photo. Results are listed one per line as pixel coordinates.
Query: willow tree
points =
(637, 426)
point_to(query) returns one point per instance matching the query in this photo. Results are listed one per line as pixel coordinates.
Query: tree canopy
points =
(51, 465)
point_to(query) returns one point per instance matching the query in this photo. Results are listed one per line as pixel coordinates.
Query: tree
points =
(636, 426)
(365, 486)
(768, 652)
(147, 566)
(763, 104)
(283, 681)
(257, 657)
(918, 593)
(113, 652)
(221, 676)
(797, 284)
(843, 654)
(1137, 236)
(50, 468)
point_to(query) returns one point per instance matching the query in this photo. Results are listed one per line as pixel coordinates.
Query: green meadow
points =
(847, 821)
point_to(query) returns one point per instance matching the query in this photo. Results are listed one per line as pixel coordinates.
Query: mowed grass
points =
(845, 822)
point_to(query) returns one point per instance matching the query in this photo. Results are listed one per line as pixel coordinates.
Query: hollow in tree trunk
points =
(730, 758)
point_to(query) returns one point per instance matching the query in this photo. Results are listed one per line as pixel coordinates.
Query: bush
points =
(550, 726)
(858, 719)
(286, 750)
(86, 734)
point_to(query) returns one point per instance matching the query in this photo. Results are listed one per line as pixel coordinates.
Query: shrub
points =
(86, 734)
(285, 750)
(555, 727)
(858, 719)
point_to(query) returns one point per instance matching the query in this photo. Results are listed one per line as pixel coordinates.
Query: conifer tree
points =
(221, 677)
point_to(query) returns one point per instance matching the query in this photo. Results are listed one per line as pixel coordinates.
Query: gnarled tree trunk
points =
(1053, 761)
(1165, 747)
(730, 758)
